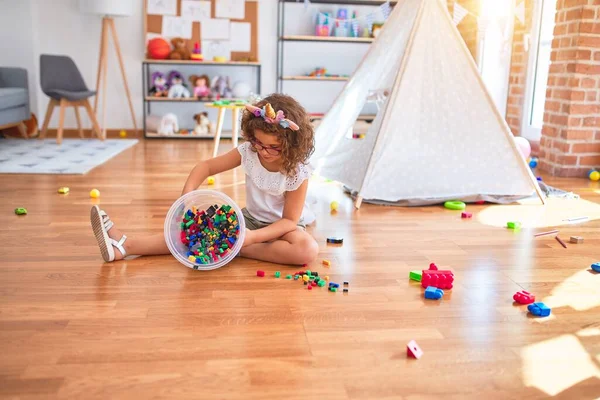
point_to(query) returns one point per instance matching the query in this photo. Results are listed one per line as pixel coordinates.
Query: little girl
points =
(279, 141)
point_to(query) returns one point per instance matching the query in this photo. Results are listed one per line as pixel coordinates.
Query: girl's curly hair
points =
(296, 146)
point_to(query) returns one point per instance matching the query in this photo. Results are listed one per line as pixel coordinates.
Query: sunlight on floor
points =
(553, 213)
(557, 364)
(581, 292)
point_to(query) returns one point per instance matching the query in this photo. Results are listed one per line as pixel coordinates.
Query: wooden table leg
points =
(235, 126)
(220, 119)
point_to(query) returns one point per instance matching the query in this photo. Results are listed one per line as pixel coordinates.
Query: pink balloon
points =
(524, 146)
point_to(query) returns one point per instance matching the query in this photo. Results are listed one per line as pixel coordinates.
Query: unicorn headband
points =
(269, 115)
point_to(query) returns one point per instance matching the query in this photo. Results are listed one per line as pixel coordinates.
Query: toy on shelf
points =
(200, 85)
(180, 50)
(524, 297)
(341, 27)
(158, 49)
(354, 24)
(203, 125)
(320, 72)
(322, 26)
(594, 175)
(168, 124)
(376, 29)
(220, 87)
(539, 309)
(159, 85)
(176, 87)
(197, 53)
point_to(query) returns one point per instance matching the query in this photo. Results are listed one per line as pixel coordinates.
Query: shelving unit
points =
(286, 39)
(149, 100)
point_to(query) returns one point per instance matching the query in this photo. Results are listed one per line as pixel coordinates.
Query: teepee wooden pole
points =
(501, 120)
(393, 92)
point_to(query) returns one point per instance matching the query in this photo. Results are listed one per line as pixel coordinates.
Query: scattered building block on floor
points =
(413, 350)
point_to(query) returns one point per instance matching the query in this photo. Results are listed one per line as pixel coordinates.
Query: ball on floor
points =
(334, 205)
(594, 176)
(210, 180)
(94, 193)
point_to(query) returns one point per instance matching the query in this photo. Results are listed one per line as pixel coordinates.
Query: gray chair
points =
(62, 82)
(14, 99)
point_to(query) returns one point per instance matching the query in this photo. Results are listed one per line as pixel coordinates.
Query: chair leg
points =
(95, 126)
(61, 120)
(49, 110)
(76, 109)
(23, 130)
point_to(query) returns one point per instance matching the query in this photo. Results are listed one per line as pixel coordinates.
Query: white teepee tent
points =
(437, 136)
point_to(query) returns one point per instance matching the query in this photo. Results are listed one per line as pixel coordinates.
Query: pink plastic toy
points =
(466, 215)
(524, 297)
(413, 350)
(436, 278)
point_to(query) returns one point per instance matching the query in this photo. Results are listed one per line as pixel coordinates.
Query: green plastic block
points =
(277, 274)
(513, 225)
(308, 272)
(288, 277)
(333, 289)
(189, 223)
(415, 275)
(321, 283)
(296, 277)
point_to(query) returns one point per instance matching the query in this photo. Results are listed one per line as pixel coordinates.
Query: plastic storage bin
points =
(201, 199)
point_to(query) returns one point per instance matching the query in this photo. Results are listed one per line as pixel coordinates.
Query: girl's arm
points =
(292, 211)
(213, 166)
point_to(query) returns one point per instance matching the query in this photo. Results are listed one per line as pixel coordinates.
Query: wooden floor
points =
(72, 327)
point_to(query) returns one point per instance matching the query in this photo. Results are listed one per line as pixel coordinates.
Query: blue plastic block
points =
(539, 309)
(333, 284)
(596, 266)
(433, 293)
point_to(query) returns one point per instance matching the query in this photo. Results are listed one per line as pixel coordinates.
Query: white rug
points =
(73, 156)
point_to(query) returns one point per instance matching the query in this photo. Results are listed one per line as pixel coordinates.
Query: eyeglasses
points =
(274, 151)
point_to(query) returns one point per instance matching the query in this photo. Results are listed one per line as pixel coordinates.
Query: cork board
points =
(153, 24)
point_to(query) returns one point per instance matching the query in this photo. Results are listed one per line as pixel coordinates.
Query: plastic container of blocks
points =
(201, 199)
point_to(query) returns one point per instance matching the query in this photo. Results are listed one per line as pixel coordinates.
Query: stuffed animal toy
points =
(203, 125)
(200, 84)
(168, 124)
(159, 85)
(180, 50)
(220, 87)
(176, 87)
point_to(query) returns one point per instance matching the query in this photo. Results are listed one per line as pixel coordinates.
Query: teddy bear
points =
(201, 88)
(180, 50)
(203, 124)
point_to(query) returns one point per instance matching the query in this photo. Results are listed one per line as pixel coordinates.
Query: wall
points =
(570, 143)
(17, 27)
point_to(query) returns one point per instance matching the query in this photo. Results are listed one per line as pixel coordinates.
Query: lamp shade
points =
(115, 8)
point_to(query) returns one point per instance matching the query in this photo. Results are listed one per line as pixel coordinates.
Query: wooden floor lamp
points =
(109, 9)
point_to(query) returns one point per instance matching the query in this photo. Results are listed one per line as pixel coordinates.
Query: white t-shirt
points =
(265, 190)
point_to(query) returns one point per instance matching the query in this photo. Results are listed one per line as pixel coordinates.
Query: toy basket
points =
(202, 200)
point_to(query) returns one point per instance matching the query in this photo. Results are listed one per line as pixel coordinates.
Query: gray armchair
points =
(14, 99)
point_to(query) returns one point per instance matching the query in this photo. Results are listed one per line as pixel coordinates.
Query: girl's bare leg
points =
(296, 248)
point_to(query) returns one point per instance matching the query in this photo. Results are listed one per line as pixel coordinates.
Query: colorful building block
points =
(345, 290)
(335, 240)
(305, 278)
(333, 289)
(596, 267)
(277, 274)
(321, 283)
(20, 211)
(524, 297)
(413, 350)
(326, 263)
(309, 287)
(288, 277)
(513, 225)
(433, 293)
(465, 214)
(260, 273)
(296, 277)
(539, 309)
(443, 279)
(63, 190)
(415, 275)
(327, 277)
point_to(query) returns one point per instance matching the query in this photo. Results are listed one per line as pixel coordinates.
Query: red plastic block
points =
(413, 350)
(260, 273)
(466, 215)
(524, 297)
(433, 267)
(438, 279)
(310, 287)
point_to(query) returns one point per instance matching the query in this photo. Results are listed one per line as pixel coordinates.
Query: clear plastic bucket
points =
(201, 199)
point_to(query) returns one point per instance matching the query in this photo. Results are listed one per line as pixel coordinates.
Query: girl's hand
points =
(249, 238)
